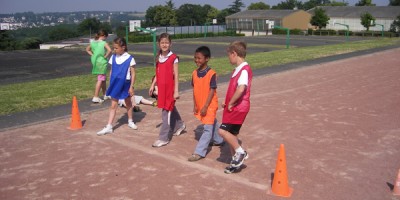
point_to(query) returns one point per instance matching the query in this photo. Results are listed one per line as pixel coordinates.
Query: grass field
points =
(40, 94)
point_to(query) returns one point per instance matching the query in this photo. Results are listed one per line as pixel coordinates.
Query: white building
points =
(351, 16)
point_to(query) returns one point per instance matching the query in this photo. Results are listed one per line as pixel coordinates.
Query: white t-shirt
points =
(244, 76)
(162, 58)
(119, 59)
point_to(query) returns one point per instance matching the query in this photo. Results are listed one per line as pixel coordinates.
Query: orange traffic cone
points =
(396, 185)
(76, 117)
(280, 185)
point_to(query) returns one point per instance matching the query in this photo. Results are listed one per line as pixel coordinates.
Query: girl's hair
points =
(204, 50)
(100, 33)
(163, 35)
(121, 42)
(239, 47)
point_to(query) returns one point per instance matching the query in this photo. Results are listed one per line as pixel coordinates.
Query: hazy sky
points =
(40, 6)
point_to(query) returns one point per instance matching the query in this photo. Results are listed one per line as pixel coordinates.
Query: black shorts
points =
(231, 128)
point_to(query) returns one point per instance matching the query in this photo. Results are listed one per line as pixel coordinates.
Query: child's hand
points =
(203, 111)
(223, 105)
(131, 92)
(230, 106)
(176, 95)
(151, 90)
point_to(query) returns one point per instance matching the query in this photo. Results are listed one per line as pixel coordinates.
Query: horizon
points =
(51, 6)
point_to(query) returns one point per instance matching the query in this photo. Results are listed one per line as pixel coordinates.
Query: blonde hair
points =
(239, 47)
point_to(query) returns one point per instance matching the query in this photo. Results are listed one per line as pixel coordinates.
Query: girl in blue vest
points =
(121, 83)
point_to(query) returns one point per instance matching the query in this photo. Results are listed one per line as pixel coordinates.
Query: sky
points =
(41, 6)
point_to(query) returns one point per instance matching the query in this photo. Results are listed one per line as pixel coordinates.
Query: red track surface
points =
(339, 123)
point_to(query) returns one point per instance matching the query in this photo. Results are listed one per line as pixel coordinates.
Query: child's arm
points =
(133, 78)
(238, 93)
(108, 50)
(152, 87)
(176, 77)
(89, 50)
(203, 111)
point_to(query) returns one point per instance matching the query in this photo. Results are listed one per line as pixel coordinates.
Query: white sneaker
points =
(97, 100)
(106, 97)
(106, 130)
(180, 130)
(121, 103)
(132, 125)
(160, 143)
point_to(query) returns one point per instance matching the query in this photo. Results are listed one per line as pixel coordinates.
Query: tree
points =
(258, 6)
(236, 6)
(29, 43)
(7, 41)
(190, 14)
(149, 17)
(395, 26)
(338, 3)
(365, 3)
(165, 16)
(212, 14)
(288, 5)
(170, 4)
(394, 3)
(91, 25)
(61, 33)
(319, 19)
(366, 20)
(222, 14)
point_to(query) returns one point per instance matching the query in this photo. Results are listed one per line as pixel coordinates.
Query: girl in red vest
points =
(168, 92)
(237, 104)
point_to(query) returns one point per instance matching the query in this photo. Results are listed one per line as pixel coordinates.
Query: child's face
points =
(164, 45)
(200, 60)
(118, 49)
(232, 57)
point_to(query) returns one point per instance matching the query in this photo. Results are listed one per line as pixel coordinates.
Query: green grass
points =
(40, 94)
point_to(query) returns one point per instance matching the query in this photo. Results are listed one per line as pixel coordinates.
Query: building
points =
(351, 16)
(251, 22)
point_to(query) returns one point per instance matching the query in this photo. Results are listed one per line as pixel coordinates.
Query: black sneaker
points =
(230, 169)
(238, 159)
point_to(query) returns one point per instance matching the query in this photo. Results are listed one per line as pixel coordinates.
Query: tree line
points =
(169, 15)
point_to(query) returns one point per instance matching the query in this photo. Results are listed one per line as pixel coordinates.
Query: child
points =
(121, 83)
(136, 100)
(99, 63)
(167, 83)
(237, 104)
(205, 102)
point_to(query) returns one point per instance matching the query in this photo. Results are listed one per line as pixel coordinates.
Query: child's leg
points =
(97, 88)
(204, 141)
(165, 127)
(128, 103)
(113, 110)
(176, 122)
(104, 87)
(146, 102)
(216, 138)
(231, 139)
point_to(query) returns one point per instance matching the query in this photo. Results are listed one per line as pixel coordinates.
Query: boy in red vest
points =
(237, 104)
(205, 103)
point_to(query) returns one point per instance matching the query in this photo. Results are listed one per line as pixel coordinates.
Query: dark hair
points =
(100, 33)
(121, 42)
(164, 35)
(239, 47)
(204, 50)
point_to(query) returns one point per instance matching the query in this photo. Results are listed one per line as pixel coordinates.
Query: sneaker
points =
(97, 100)
(106, 97)
(160, 143)
(180, 130)
(230, 169)
(238, 159)
(195, 157)
(132, 125)
(106, 130)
